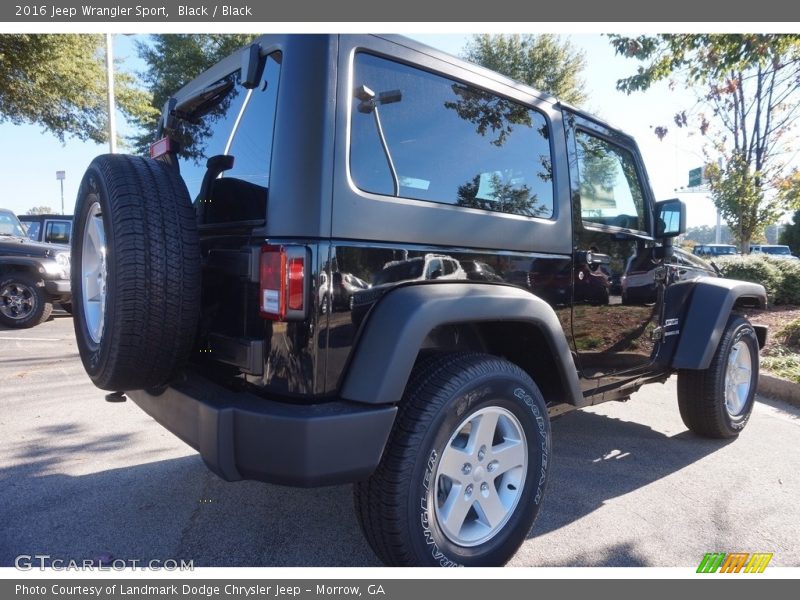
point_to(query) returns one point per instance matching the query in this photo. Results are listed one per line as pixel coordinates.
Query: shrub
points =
(753, 268)
(789, 288)
(790, 335)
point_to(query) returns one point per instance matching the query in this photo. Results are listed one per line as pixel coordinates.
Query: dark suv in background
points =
(492, 226)
(53, 229)
(33, 275)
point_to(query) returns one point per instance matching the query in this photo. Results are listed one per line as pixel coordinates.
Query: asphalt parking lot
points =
(81, 478)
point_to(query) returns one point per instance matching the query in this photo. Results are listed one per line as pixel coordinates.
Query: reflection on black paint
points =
(384, 268)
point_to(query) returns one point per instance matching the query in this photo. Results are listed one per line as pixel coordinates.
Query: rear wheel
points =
(717, 402)
(135, 272)
(463, 475)
(22, 300)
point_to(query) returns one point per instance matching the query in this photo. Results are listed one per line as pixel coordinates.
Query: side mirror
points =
(670, 218)
(436, 274)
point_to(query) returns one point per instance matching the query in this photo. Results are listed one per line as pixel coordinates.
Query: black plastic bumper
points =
(57, 287)
(244, 436)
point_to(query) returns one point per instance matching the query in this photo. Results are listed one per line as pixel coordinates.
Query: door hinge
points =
(657, 334)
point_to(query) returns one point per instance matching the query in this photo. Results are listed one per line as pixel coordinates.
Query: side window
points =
(611, 193)
(426, 137)
(433, 266)
(57, 232)
(226, 118)
(33, 228)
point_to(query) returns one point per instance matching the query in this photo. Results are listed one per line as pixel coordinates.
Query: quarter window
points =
(422, 136)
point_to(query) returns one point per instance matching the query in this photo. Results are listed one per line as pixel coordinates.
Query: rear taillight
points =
(282, 290)
(161, 148)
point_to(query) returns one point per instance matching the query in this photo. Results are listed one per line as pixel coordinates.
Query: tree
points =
(748, 89)
(544, 62)
(40, 210)
(173, 61)
(59, 82)
(790, 236)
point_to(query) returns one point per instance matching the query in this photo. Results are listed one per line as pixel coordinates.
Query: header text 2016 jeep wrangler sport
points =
(493, 231)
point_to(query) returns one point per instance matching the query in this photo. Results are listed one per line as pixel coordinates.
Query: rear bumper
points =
(243, 436)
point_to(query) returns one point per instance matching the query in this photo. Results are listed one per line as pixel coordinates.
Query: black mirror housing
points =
(670, 218)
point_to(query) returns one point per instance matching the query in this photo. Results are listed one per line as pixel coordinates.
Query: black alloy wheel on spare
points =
(135, 272)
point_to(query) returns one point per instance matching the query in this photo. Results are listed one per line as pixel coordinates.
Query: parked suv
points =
(776, 250)
(54, 229)
(303, 156)
(715, 250)
(33, 276)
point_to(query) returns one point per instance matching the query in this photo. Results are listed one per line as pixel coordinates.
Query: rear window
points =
(227, 118)
(446, 141)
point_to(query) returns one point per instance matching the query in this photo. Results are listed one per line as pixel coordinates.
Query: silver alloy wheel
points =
(17, 300)
(93, 273)
(480, 477)
(738, 376)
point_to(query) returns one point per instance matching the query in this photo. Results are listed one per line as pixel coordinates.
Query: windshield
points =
(10, 225)
(411, 269)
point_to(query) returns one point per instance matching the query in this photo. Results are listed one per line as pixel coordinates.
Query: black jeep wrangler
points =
(488, 223)
(33, 275)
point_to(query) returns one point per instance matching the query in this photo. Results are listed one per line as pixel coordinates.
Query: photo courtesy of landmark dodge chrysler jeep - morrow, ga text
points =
(490, 227)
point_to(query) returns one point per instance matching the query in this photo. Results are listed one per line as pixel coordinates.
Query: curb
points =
(779, 388)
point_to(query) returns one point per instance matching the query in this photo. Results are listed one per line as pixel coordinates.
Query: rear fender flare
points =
(399, 323)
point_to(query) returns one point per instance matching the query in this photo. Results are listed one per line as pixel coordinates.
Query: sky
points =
(31, 156)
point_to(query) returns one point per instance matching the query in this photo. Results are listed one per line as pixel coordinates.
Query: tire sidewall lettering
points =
(509, 396)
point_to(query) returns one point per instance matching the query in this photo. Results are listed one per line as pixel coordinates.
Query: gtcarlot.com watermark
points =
(30, 562)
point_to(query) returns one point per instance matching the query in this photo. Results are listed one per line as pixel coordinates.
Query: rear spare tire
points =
(135, 272)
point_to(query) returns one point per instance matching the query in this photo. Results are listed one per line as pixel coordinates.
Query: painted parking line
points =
(25, 339)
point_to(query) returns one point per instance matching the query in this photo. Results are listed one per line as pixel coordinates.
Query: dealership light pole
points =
(112, 109)
(61, 175)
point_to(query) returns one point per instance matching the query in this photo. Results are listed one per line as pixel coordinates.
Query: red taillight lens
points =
(296, 289)
(283, 283)
(161, 147)
(273, 266)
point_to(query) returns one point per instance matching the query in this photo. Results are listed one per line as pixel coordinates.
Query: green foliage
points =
(40, 210)
(790, 335)
(783, 363)
(789, 288)
(780, 277)
(756, 269)
(544, 62)
(59, 82)
(707, 234)
(790, 236)
(748, 90)
(173, 60)
(737, 191)
(701, 58)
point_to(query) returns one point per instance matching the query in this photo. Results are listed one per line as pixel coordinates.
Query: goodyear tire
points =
(464, 472)
(717, 402)
(135, 272)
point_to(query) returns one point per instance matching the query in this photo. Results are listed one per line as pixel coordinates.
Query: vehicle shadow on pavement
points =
(169, 509)
(177, 509)
(597, 458)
